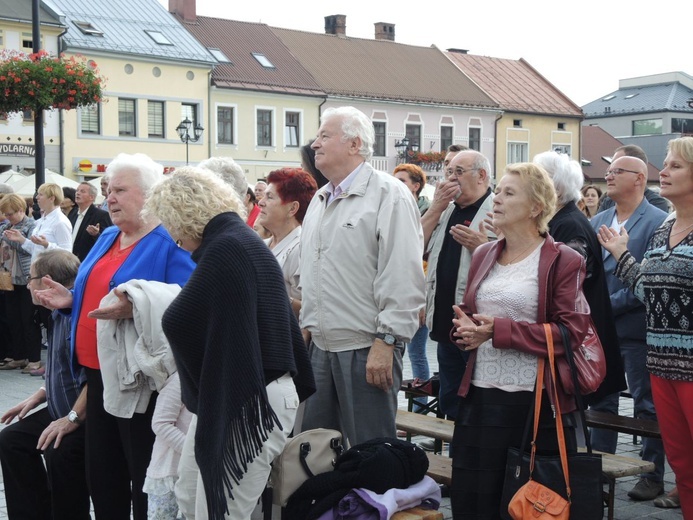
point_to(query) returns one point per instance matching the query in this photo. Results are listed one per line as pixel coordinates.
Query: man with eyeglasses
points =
(626, 180)
(633, 150)
(453, 229)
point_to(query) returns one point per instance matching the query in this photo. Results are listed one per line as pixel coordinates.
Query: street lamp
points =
(183, 130)
(403, 148)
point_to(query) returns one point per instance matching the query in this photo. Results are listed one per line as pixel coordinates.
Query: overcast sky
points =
(582, 47)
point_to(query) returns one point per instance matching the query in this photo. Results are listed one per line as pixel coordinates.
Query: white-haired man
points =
(88, 222)
(362, 282)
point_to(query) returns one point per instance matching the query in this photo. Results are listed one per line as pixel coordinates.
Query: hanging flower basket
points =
(428, 161)
(40, 81)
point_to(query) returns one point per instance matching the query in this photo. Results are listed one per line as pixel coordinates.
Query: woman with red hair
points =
(286, 199)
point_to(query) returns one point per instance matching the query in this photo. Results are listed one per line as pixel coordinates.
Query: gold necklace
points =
(518, 256)
(679, 232)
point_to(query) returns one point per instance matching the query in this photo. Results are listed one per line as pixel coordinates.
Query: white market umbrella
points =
(27, 186)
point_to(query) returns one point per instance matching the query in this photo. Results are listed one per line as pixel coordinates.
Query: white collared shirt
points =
(57, 229)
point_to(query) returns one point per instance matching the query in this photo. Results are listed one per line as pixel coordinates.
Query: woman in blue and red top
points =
(118, 449)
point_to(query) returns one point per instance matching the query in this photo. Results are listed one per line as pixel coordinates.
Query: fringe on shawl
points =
(247, 433)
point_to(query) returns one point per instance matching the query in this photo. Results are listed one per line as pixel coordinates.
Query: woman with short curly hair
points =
(242, 361)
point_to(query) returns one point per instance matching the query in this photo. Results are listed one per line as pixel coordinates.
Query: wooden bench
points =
(440, 467)
(623, 424)
(417, 513)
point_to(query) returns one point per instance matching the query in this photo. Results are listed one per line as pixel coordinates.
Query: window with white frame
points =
(225, 125)
(518, 152)
(445, 138)
(127, 117)
(264, 127)
(475, 139)
(90, 119)
(155, 118)
(379, 146)
(292, 136)
(562, 148)
(189, 111)
(413, 133)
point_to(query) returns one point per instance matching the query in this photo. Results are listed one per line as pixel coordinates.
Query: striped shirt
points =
(61, 389)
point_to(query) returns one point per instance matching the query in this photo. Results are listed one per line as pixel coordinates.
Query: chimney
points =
(335, 24)
(459, 51)
(186, 9)
(384, 31)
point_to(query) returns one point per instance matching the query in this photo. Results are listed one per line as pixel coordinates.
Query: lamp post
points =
(183, 130)
(403, 148)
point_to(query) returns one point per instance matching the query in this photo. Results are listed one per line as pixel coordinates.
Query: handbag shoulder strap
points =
(569, 354)
(560, 434)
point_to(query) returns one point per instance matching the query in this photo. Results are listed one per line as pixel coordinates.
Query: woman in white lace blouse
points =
(514, 286)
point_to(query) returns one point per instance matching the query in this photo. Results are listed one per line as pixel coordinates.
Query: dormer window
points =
(262, 60)
(219, 55)
(88, 29)
(158, 37)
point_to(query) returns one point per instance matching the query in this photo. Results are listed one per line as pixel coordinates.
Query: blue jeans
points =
(634, 354)
(419, 362)
(451, 365)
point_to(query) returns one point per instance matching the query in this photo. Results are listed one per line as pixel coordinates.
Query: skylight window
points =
(158, 37)
(262, 60)
(629, 96)
(88, 28)
(219, 55)
(607, 98)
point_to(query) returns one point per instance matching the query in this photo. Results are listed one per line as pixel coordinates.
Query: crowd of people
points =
(194, 323)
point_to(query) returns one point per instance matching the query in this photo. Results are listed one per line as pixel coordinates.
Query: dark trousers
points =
(118, 454)
(33, 490)
(24, 328)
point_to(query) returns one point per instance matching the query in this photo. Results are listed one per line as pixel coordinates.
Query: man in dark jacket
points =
(88, 222)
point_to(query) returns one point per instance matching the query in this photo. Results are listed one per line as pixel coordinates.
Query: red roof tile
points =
(515, 85)
(238, 41)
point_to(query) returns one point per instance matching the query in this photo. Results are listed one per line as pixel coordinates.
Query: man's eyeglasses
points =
(460, 173)
(618, 171)
(34, 278)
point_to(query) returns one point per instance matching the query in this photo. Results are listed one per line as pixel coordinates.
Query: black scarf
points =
(232, 331)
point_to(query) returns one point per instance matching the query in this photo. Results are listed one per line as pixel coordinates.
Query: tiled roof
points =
(383, 70)
(21, 10)
(672, 96)
(123, 24)
(238, 41)
(597, 147)
(515, 85)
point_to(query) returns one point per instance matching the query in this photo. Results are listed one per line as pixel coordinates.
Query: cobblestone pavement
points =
(15, 386)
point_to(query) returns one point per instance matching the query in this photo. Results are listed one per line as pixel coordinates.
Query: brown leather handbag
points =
(534, 500)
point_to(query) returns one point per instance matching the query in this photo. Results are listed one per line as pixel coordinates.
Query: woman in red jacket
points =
(514, 286)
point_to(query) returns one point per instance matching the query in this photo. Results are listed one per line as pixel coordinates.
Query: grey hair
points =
(148, 171)
(229, 171)
(93, 191)
(354, 124)
(566, 174)
(481, 162)
(6, 188)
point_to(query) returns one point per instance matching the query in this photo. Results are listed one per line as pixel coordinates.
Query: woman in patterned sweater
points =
(664, 283)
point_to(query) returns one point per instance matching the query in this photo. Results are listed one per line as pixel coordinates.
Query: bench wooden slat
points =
(417, 513)
(620, 423)
(418, 424)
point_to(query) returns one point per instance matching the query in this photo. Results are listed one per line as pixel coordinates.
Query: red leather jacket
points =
(561, 273)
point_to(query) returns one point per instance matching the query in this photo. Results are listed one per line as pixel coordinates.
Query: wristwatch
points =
(73, 417)
(388, 339)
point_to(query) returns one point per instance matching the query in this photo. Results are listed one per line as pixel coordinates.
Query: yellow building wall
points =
(258, 161)
(540, 133)
(142, 80)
